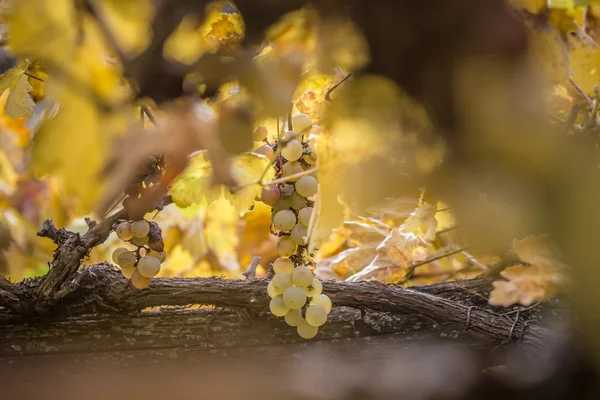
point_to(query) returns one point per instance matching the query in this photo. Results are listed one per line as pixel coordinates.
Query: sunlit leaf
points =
(18, 103)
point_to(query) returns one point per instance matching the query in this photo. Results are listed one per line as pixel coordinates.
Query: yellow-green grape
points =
(323, 301)
(292, 150)
(271, 291)
(297, 202)
(126, 259)
(307, 331)
(266, 151)
(284, 220)
(140, 241)
(260, 134)
(301, 123)
(302, 276)
(307, 186)
(294, 298)
(283, 264)
(304, 215)
(292, 168)
(310, 158)
(293, 317)
(281, 281)
(289, 135)
(285, 247)
(148, 266)
(139, 281)
(124, 231)
(299, 235)
(140, 228)
(120, 250)
(314, 289)
(278, 307)
(316, 315)
(159, 255)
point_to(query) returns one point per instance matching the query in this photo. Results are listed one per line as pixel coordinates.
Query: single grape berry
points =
(292, 168)
(292, 150)
(270, 195)
(302, 276)
(316, 315)
(140, 228)
(283, 264)
(293, 317)
(161, 256)
(307, 186)
(304, 215)
(148, 266)
(271, 291)
(139, 281)
(284, 203)
(297, 202)
(284, 220)
(301, 123)
(124, 231)
(285, 247)
(290, 135)
(281, 281)
(314, 289)
(307, 331)
(299, 235)
(310, 158)
(126, 259)
(260, 134)
(266, 151)
(118, 251)
(140, 241)
(278, 307)
(294, 297)
(323, 301)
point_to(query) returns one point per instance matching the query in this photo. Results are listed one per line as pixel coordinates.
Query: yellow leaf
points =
(584, 60)
(247, 169)
(533, 6)
(421, 223)
(341, 44)
(352, 261)
(221, 232)
(550, 54)
(192, 186)
(18, 103)
(129, 21)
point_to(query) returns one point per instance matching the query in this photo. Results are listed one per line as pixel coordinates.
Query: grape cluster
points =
(295, 293)
(142, 263)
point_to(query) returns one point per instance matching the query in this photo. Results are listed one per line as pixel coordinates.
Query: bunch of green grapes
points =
(295, 292)
(142, 263)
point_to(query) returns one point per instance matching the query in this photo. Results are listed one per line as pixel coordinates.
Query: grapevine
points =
(296, 294)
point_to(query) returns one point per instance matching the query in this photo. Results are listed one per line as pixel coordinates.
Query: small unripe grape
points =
(307, 331)
(124, 231)
(260, 134)
(283, 264)
(299, 235)
(281, 281)
(292, 150)
(292, 168)
(285, 247)
(302, 276)
(266, 151)
(140, 241)
(278, 307)
(139, 281)
(316, 315)
(270, 195)
(323, 301)
(118, 251)
(126, 259)
(289, 135)
(140, 228)
(301, 123)
(315, 288)
(161, 256)
(284, 220)
(294, 298)
(148, 266)
(297, 202)
(293, 317)
(307, 186)
(271, 291)
(310, 158)
(304, 215)
(128, 271)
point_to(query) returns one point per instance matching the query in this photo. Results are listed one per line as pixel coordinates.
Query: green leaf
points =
(18, 104)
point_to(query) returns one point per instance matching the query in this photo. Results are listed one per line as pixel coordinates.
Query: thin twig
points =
(589, 101)
(331, 89)
(34, 77)
(146, 110)
(290, 177)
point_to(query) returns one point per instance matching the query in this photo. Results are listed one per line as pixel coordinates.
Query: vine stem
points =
(290, 177)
